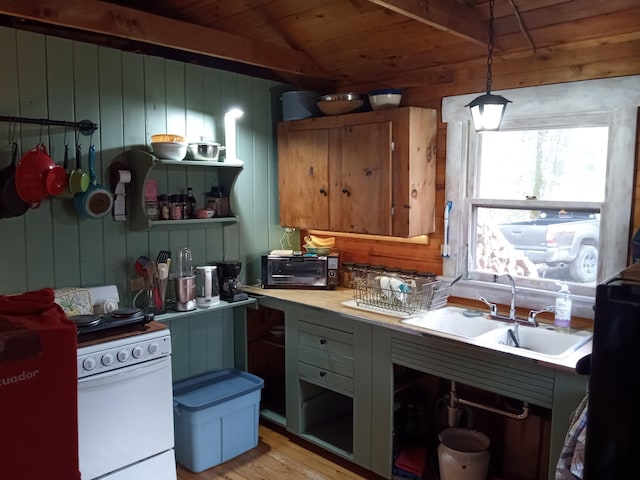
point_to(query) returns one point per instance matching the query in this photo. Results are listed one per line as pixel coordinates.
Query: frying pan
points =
(78, 180)
(66, 193)
(97, 201)
(11, 205)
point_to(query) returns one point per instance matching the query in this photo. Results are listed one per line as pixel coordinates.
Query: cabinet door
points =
(360, 178)
(303, 177)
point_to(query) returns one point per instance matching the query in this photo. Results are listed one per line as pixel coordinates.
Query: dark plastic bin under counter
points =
(215, 417)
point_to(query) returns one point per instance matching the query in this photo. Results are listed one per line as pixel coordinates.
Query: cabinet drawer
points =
(326, 348)
(324, 378)
(322, 319)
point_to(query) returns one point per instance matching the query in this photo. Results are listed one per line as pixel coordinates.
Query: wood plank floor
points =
(277, 457)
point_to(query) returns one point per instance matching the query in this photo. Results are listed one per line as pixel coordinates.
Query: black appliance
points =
(91, 326)
(613, 419)
(230, 286)
(300, 271)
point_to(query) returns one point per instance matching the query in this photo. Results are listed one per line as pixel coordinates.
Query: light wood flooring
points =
(277, 457)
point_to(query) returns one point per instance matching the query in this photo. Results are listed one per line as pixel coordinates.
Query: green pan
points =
(78, 180)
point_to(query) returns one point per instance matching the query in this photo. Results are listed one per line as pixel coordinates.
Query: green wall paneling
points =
(131, 97)
(201, 343)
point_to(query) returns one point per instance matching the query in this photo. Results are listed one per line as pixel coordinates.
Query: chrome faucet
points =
(533, 313)
(493, 308)
(512, 307)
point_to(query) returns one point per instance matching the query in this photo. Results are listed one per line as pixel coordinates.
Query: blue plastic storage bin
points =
(215, 417)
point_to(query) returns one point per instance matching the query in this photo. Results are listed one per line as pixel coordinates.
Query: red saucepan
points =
(97, 201)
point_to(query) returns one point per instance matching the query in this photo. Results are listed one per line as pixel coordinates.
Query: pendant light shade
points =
(487, 110)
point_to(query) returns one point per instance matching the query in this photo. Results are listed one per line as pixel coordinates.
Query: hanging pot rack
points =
(85, 127)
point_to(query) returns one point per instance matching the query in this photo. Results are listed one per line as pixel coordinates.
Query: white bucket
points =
(463, 454)
(298, 104)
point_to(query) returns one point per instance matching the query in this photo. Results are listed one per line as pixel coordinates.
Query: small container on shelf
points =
(151, 199)
(346, 273)
(163, 207)
(175, 207)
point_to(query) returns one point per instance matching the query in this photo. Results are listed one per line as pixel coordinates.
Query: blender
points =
(185, 282)
(230, 286)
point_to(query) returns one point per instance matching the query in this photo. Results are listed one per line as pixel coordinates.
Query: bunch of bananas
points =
(314, 241)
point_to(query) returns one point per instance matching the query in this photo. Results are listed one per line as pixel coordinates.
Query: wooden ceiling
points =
(347, 44)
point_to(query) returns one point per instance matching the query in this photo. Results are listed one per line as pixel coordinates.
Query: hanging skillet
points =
(11, 205)
(97, 201)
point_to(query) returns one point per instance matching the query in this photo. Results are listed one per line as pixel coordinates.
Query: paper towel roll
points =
(124, 176)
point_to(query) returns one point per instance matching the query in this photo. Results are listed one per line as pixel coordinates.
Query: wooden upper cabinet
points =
(371, 173)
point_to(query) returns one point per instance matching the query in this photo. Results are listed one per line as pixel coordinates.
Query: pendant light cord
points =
(490, 47)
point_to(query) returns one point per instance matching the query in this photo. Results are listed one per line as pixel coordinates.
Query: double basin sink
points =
(479, 329)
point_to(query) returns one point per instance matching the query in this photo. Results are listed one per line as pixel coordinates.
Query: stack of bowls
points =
(169, 146)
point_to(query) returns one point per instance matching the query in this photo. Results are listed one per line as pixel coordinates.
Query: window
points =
(535, 197)
(548, 197)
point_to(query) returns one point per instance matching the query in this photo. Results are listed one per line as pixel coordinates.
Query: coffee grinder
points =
(230, 286)
(185, 282)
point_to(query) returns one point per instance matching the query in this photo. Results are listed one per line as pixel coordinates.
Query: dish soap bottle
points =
(562, 318)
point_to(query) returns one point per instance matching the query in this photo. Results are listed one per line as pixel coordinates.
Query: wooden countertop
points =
(331, 300)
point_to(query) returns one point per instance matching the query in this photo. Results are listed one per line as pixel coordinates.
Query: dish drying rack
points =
(401, 297)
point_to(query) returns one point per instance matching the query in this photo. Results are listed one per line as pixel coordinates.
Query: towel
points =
(571, 462)
(412, 460)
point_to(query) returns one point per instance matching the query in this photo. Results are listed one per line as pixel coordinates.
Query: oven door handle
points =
(124, 373)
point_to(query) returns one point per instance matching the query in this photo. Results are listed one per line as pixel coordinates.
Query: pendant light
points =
(487, 110)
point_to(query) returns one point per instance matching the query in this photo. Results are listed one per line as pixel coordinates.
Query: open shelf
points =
(142, 163)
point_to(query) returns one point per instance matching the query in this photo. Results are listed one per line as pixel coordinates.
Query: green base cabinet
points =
(339, 384)
(328, 365)
(557, 390)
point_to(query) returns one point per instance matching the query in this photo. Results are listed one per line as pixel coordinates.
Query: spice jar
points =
(163, 207)
(175, 207)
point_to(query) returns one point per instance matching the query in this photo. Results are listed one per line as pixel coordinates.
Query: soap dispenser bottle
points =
(562, 318)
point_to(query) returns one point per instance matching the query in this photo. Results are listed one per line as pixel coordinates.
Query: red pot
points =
(37, 176)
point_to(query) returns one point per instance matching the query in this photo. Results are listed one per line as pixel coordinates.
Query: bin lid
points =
(213, 388)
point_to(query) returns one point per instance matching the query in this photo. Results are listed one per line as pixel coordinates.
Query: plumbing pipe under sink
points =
(455, 400)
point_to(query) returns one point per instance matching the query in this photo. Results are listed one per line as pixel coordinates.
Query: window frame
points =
(613, 102)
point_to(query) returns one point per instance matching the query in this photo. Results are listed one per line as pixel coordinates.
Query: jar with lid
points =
(409, 277)
(191, 206)
(183, 205)
(163, 206)
(346, 273)
(375, 271)
(425, 278)
(359, 273)
(175, 207)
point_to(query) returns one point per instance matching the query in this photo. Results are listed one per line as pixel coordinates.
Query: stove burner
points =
(85, 320)
(120, 320)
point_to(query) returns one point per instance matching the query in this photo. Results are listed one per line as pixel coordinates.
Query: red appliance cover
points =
(38, 388)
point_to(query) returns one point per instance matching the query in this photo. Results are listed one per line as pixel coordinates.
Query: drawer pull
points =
(323, 341)
(322, 374)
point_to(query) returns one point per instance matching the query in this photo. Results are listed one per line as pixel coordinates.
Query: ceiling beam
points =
(113, 20)
(447, 15)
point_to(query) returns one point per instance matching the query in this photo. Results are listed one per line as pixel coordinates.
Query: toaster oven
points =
(300, 271)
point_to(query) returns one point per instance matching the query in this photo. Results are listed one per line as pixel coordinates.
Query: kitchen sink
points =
(544, 341)
(453, 321)
(477, 328)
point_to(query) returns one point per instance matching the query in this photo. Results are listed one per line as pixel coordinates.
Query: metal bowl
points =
(340, 103)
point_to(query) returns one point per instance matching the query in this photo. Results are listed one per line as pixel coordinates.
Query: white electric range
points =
(125, 405)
